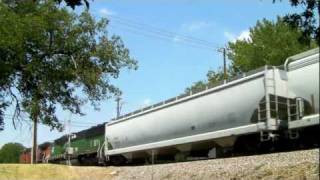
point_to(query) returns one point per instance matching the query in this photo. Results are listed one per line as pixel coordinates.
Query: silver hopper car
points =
(217, 120)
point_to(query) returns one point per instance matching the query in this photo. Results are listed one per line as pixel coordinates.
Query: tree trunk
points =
(34, 142)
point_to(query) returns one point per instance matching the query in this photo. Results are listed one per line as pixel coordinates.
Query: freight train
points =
(43, 154)
(270, 108)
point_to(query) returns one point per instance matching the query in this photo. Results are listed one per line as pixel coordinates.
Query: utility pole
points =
(118, 99)
(69, 144)
(223, 50)
(34, 142)
(69, 141)
(224, 65)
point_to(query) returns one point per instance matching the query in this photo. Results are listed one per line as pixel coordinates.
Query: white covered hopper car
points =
(264, 102)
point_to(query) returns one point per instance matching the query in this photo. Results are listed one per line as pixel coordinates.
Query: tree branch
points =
(17, 110)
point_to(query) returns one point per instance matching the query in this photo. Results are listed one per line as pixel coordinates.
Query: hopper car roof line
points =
(301, 56)
(306, 61)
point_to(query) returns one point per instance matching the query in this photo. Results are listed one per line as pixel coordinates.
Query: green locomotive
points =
(82, 147)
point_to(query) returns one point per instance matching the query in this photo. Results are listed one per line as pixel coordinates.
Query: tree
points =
(71, 3)
(216, 76)
(196, 87)
(307, 21)
(10, 153)
(213, 78)
(74, 3)
(49, 54)
(269, 43)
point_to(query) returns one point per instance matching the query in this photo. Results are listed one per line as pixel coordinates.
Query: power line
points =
(151, 31)
(78, 124)
(25, 118)
(159, 30)
(162, 31)
(175, 39)
(165, 38)
(138, 27)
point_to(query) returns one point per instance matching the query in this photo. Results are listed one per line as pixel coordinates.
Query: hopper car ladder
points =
(274, 108)
(295, 110)
(264, 107)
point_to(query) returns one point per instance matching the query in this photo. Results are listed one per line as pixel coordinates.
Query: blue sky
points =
(166, 65)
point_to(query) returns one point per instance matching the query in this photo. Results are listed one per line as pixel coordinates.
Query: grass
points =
(52, 172)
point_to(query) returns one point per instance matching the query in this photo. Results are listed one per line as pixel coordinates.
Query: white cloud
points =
(146, 102)
(230, 36)
(244, 35)
(105, 11)
(195, 26)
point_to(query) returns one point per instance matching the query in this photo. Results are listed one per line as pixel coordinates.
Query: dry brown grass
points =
(52, 172)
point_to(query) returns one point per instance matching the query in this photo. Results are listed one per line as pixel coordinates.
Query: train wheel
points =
(246, 145)
(118, 160)
(181, 156)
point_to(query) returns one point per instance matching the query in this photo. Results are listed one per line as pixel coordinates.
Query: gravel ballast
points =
(301, 165)
(286, 165)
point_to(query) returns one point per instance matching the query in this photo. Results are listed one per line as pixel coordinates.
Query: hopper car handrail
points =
(299, 56)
